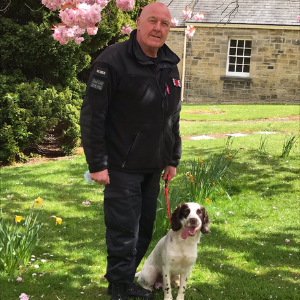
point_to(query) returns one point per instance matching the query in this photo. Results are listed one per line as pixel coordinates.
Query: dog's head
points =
(190, 217)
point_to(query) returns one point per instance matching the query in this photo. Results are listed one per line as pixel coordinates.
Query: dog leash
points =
(167, 196)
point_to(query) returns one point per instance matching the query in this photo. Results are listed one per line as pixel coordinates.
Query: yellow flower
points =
(201, 160)
(214, 184)
(58, 220)
(38, 202)
(207, 200)
(18, 218)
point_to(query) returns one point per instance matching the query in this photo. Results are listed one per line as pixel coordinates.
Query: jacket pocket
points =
(144, 152)
(129, 149)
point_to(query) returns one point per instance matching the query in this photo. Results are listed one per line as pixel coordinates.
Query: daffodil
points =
(58, 220)
(207, 200)
(38, 202)
(201, 160)
(18, 219)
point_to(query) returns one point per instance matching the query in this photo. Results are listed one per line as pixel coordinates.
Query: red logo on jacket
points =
(176, 82)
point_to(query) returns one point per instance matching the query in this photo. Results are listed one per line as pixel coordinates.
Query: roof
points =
(258, 12)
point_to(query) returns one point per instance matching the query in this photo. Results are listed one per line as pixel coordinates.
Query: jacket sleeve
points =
(177, 144)
(99, 92)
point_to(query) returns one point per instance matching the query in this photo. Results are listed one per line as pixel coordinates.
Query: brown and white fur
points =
(175, 254)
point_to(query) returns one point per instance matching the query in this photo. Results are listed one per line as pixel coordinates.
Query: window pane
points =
(232, 51)
(247, 61)
(248, 44)
(247, 52)
(232, 60)
(246, 69)
(241, 43)
(239, 68)
(233, 43)
(239, 60)
(231, 68)
(240, 52)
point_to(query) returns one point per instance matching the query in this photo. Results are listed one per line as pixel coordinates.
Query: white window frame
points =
(238, 57)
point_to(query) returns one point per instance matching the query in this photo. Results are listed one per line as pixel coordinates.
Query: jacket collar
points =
(164, 53)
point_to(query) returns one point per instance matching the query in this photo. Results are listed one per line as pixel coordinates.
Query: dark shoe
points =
(137, 292)
(134, 291)
(119, 291)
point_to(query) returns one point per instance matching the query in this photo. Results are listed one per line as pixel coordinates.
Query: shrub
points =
(28, 113)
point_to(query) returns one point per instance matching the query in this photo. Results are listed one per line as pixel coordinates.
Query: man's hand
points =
(169, 170)
(101, 177)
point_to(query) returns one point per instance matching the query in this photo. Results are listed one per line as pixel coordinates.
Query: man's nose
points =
(157, 26)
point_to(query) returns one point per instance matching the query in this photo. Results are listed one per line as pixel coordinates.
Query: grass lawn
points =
(252, 251)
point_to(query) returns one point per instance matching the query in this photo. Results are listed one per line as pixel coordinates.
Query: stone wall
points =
(274, 67)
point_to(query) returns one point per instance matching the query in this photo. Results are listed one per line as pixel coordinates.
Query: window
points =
(239, 53)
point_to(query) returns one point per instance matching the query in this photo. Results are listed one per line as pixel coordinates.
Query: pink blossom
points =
(79, 40)
(86, 202)
(23, 296)
(198, 16)
(126, 29)
(298, 18)
(231, 212)
(92, 30)
(287, 240)
(174, 22)
(274, 207)
(64, 34)
(189, 32)
(84, 16)
(125, 5)
(217, 213)
(53, 4)
(102, 3)
(187, 13)
(19, 279)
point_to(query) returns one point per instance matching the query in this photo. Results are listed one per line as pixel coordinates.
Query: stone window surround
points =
(236, 78)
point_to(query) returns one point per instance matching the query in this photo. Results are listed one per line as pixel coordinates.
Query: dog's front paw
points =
(168, 298)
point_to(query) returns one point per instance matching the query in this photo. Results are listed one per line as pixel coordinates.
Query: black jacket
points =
(130, 113)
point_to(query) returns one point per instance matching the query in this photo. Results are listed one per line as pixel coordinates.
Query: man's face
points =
(153, 27)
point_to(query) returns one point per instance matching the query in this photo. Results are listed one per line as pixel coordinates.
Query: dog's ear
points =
(175, 218)
(205, 220)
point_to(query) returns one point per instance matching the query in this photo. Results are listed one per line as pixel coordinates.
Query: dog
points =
(173, 257)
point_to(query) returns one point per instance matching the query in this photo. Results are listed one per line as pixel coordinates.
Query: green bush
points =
(30, 111)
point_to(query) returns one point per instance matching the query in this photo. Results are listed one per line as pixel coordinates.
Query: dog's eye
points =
(186, 212)
(198, 211)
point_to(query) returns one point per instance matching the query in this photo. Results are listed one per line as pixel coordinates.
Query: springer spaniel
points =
(175, 254)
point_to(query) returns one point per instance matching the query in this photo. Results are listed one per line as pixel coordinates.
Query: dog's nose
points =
(193, 221)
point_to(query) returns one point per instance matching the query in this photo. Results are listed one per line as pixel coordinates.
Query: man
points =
(130, 135)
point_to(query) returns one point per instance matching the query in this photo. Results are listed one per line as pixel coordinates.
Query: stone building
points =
(244, 54)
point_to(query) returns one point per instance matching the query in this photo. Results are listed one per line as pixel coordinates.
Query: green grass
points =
(245, 256)
(230, 112)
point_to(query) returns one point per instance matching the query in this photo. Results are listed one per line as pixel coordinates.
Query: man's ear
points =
(138, 22)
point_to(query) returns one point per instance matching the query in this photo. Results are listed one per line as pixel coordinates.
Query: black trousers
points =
(130, 202)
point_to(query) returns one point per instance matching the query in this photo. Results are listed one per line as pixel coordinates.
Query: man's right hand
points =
(101, 177)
